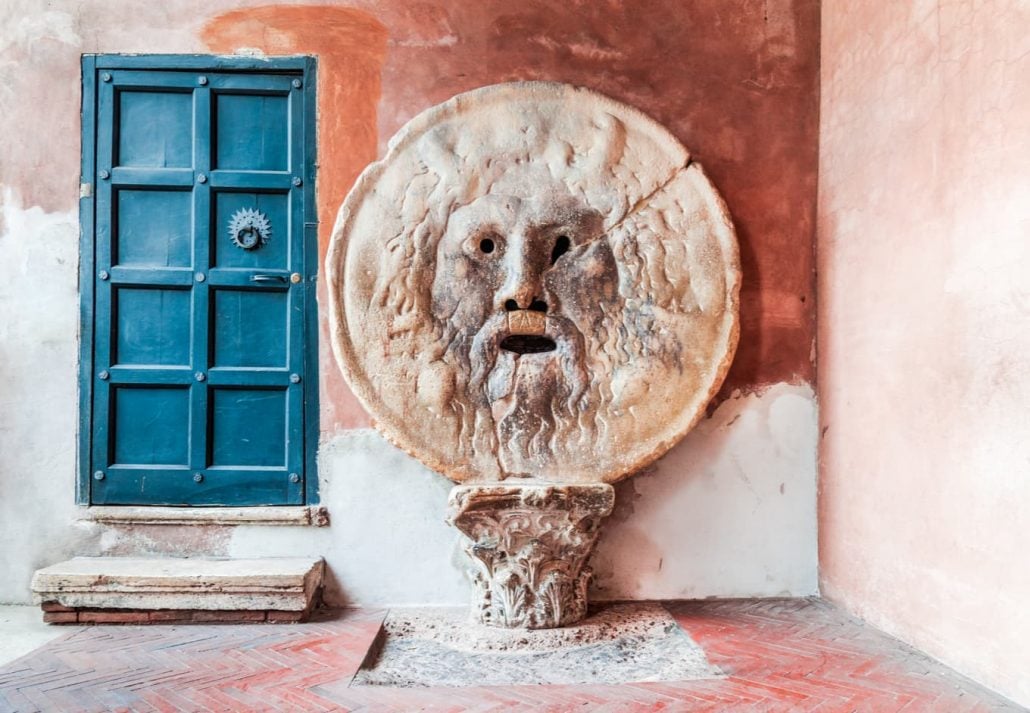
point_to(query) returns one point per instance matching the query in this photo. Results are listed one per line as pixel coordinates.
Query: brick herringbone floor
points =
(780, 655)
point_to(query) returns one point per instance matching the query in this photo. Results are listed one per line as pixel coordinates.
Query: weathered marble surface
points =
(622, 643)
(528, 545)
(535, 281)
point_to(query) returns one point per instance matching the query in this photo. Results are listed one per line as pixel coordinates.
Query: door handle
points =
(268, 278)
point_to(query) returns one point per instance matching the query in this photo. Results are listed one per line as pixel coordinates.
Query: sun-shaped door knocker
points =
(249, 229)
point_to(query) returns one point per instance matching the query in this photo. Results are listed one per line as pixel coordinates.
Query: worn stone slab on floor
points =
(622, 643)
(160, 583)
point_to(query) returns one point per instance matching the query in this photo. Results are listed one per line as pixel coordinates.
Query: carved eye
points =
(482, 243)
(561, 246)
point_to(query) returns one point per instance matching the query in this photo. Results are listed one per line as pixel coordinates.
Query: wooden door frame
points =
(93, 65)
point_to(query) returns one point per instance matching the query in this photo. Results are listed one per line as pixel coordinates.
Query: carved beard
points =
(523, 405)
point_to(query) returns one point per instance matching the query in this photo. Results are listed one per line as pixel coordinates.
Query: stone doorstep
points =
(137, 590)
(316, 516)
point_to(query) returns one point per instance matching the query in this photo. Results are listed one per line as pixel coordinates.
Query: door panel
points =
(238, 316)
(241, 117)
(147, 426)
(152, 228)
(155, 129)
(151, 327)
(200, 289)
(248, 427)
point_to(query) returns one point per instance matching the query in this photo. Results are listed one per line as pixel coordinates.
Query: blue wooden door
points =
(200, 288)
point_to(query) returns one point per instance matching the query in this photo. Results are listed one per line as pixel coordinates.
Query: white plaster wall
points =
(387, 542)
(729, 512)
(38, 391)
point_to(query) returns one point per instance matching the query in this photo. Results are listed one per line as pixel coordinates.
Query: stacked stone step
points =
(111, 590)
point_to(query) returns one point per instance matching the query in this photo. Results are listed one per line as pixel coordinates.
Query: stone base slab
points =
(619, 643)
(132, 585)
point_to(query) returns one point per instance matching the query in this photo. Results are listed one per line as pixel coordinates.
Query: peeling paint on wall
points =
(38, 389)
(736, 82)
(728, 512)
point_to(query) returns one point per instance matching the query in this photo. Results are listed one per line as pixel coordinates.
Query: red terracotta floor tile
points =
(777, 655)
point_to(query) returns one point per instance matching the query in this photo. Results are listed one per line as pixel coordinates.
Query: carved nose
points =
(522, 287)
(519, 293)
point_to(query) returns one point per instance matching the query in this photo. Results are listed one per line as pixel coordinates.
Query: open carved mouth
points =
(526, 333)
(527, 343)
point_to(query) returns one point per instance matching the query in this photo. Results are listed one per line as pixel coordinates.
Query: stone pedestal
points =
(528, 544)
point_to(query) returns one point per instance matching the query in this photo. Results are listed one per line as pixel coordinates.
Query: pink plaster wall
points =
(924, 326)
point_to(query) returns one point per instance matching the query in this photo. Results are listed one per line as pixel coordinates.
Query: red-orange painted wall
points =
(735, 80)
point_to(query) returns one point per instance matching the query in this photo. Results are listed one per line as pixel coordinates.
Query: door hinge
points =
(85, 190)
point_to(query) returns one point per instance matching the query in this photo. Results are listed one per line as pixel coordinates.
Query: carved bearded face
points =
(535, 281)
(521, 285)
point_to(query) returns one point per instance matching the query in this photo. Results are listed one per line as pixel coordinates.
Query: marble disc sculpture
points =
(535, 282)
(535, 293)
